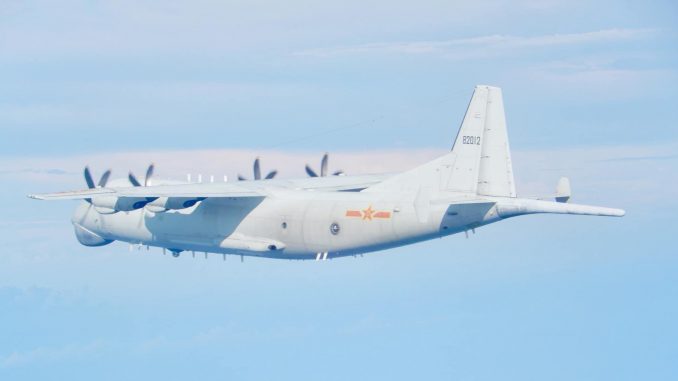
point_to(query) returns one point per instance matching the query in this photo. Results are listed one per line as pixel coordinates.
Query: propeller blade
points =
(241, 178)
(149, 174)
(133, 180)
(271, 175)
(323, 165)
(257, 169)
(338, 173)
(310, 172)
(104, 178)
(88, 179)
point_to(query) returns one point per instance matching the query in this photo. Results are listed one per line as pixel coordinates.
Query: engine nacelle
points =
(113, 204)
(164, 204)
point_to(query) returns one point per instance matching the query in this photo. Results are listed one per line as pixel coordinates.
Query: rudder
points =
(495, 175)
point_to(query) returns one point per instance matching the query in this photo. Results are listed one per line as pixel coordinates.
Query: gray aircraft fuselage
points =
(291, 225)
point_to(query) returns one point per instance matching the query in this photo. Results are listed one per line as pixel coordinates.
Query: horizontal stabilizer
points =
(519, 207)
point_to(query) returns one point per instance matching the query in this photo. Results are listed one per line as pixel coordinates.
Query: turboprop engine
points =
(112, 204)
(160, 204)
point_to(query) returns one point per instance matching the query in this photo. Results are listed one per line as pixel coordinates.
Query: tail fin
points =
(480, 161)
(495, 177)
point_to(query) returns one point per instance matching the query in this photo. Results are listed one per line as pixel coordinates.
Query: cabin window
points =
(334, 228)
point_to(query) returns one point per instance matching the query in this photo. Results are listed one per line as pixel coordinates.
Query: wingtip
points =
(611, 212)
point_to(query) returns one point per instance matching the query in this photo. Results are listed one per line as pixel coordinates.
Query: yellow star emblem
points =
(367, 213)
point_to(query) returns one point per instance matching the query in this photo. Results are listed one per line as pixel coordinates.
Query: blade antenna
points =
(323, 165)
(257, 169)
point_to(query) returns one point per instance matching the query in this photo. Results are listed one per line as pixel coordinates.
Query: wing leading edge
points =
(216, 190)
(184, 190)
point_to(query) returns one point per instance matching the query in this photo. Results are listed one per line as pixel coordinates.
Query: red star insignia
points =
(368, 213)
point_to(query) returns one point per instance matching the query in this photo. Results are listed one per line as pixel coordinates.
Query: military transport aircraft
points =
(323, 216)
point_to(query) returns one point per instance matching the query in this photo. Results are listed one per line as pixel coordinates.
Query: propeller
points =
(103, 180)
(323, 168)
(257, 172)
(147, 179)
(147, 182)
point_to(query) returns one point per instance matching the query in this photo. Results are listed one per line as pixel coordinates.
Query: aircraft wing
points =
(181, 190)
(222, 190)
(73, 195)
(328, 183)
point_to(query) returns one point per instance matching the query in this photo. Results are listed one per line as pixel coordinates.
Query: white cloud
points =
(177, 164)
(596, 81)
(140, 347)
(51, 354)
(595, 170)
(97, 30)
(640, 178)
(481, 46)
(617, 175)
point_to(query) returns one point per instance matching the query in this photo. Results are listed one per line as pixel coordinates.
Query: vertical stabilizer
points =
(495, 177)
(458, 170)
(463, 174)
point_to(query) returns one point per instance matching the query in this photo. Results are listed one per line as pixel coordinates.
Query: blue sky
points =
(205, 87)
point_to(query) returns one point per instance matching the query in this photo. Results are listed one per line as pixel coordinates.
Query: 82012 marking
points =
(475, 140)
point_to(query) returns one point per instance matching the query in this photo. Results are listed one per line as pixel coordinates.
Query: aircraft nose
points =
(89, 238)
(80, 213)
(84, 225)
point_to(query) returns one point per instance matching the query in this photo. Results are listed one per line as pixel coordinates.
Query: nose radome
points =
(82, 221)
(89, 238)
